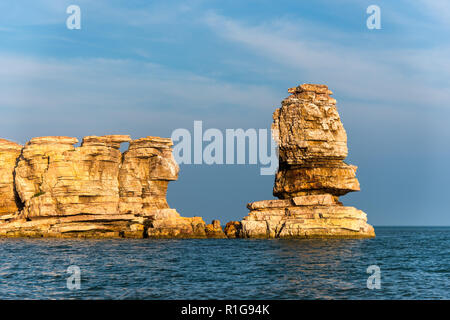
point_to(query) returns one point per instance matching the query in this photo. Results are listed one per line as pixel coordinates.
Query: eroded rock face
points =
(233, 229)
(91, 191)
(312, 174)
(148, 167)
(9, 152)
(53, 178)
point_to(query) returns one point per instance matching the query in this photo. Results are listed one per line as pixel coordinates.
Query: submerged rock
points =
(311, 176)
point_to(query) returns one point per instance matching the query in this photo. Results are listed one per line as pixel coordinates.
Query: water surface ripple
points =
(414, 263)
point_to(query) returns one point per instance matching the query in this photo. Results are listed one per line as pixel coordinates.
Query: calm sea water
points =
(414, 264)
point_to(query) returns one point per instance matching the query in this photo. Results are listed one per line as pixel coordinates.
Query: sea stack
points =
(311, 176)
(50, 188)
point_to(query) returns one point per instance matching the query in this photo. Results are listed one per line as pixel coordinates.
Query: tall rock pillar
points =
(312, 173)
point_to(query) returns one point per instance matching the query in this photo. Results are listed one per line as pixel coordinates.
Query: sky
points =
(146, 68)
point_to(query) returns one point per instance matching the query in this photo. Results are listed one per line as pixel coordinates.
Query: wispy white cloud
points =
(437, 9)
(404, 76)
(114, 78)
(46, 12)
(124, 94)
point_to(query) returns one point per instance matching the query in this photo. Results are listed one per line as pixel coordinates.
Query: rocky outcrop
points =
(49, 188)
(147, 168)
(53, 178)
(167, 223)
(311, 176)
(233, 229)
(214, 230)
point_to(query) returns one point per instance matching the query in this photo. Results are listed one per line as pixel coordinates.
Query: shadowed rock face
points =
(311, 176)
(9, 152)
(91, 191)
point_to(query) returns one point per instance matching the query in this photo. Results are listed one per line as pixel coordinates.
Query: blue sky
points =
(146, 68)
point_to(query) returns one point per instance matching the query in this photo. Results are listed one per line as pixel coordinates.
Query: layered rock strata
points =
(312, 174)
(49, 188)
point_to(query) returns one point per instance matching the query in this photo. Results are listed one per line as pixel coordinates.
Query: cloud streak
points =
(396, 76)
(125, 92)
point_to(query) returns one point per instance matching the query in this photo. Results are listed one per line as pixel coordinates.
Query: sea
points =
(400, 263)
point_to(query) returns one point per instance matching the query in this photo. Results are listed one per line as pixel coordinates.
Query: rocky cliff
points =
(311, 176)
(50, 188)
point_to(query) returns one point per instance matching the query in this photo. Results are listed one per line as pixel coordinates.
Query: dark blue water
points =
(414, 264)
